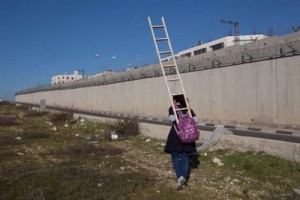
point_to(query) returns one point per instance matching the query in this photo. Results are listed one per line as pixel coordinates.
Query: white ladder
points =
(172, 78)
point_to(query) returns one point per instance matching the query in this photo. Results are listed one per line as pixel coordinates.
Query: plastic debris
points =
(113, 135)
(214, 138)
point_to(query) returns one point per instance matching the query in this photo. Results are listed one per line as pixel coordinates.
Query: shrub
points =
(34, 113)
(4, 103)
(124, 128)
(61, 118)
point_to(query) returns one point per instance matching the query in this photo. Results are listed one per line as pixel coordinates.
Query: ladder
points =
(169, 68)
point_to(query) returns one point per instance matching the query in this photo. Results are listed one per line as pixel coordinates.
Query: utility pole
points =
(236, 30)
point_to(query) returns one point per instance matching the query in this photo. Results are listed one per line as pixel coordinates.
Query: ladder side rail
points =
(161, 65)
(177, 71)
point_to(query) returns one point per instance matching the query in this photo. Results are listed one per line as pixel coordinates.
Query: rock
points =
(87, 137)
(18, 138)
(99, 185)
(20, 154)
(82, 120)
(54, 128)
(66, 125)
(218, 161)
(296, 193)
(77, 135)
(236, 180)
(148, 140)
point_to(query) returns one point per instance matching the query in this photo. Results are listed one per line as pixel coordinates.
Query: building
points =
(61, 79)
(215, 45)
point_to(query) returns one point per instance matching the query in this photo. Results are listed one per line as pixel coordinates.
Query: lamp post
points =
(111, 61)
(98, 57)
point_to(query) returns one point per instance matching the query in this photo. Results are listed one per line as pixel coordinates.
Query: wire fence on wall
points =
(266, 49)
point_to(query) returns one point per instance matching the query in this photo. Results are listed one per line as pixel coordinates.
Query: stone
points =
(217, 161)
(18, 138)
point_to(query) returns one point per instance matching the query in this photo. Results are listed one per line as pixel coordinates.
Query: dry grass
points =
(77, 162)
(61, 118)
(8, 121)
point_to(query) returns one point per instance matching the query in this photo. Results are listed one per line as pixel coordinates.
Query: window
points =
(217, 46)
(186, 55)
(199, 51)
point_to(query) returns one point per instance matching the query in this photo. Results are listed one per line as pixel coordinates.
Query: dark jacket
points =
(173, 142)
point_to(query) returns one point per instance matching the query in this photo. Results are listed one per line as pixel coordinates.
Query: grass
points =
(79, 161)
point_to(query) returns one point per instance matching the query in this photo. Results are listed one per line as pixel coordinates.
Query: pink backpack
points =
(187, 128)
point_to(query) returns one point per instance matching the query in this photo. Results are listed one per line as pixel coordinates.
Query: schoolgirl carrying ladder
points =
(184, 132)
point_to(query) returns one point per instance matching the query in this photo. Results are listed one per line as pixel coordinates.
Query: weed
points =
(60, 118)
(35, 135)
(4, 103)
(87, 150)
(7, 139)
(34, 113)
(8, 121)
(125, 128)
(7, 154)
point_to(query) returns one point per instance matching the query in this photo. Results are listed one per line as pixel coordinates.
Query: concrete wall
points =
(265, 92)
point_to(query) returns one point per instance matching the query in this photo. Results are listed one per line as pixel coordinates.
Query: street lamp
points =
(98, 57)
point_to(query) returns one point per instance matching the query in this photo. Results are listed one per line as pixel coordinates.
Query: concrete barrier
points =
(256, 91)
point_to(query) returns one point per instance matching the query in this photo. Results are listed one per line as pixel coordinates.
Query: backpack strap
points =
(180, 114)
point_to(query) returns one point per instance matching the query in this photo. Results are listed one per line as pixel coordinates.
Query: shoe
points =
(180, 183)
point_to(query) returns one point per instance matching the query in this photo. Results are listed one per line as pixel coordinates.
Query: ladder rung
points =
(161, 39)
(177, 94)
(158, 26)
(173, 79)
(165, 66)
(179, 109)
(165, 52)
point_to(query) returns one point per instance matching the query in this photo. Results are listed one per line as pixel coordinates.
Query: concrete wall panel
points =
(265, 92)
(288, 91)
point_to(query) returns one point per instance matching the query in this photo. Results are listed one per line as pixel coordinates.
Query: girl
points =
(178, 150)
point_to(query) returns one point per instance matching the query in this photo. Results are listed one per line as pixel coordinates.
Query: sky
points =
(43, 38)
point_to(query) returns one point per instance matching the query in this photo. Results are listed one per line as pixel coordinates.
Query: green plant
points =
(34, 113)
(125, 128)
(60, 118)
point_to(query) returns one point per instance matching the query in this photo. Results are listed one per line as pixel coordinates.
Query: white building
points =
(104, 73)
(215, 45)
(61, 79)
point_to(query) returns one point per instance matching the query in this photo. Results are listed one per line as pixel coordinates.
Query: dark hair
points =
(180, 99)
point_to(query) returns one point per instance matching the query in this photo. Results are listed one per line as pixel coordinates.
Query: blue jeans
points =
(180, 163)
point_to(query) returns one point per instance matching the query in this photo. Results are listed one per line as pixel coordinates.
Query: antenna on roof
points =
(236, 30)
(296, 29)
